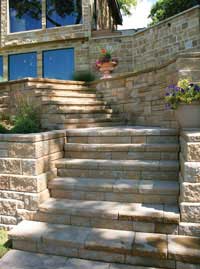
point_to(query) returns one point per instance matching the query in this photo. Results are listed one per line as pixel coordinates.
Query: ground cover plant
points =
(4, 245)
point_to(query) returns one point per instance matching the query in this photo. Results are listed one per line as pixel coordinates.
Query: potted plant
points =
(106, 63)
(184, 98)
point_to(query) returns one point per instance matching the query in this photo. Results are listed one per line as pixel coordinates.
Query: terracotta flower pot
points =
(106, 69)
(188, 115)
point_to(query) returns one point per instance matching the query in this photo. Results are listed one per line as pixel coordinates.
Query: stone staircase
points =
(74, 106)
(114, 200)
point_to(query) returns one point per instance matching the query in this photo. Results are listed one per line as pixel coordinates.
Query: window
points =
(58, 64)
(25, 15)
(22, 65)
(62, 12)
(1, 68)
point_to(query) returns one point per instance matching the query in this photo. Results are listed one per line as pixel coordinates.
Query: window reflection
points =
(22, 65)
(25, 15)
(62, 12)
(58, 64)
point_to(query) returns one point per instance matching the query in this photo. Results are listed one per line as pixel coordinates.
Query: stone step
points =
(16, 259)
(115, 169)
(123, 135)
(68, 93)
(98, 244)
(75, 101)
(122, 151)
(65, 108)
(60, 85)
(62, 126)
(116, 190)
(65, 116)
(110, 215)
(56, 110)
(101, 118)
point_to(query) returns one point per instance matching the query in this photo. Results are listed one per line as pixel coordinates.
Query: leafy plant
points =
(164, 9)
(3, 130)
(105, 57)
(184, 92)
(86, 76)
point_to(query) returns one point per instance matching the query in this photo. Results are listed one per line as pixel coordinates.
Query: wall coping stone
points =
(147, 70)
(43, 80)
(191, 135)
(37, 137)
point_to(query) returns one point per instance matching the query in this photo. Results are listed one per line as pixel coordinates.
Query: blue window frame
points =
(22, 65)
(1, 68)
(58, 64)
(62, 12)
(25, 15)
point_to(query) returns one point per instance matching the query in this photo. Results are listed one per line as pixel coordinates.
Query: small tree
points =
(164, 9)
(126, 5)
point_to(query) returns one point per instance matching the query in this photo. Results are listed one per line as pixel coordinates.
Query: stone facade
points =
(26, 164)
(147, 48)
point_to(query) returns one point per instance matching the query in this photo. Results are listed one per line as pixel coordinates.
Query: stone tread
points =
(182, 248)
(77, 110)
(16, 259)
(112, 210)
(103, 118)
(127, 165)
(122, 147)
(74, 101)
(115, 185)
(123, 131)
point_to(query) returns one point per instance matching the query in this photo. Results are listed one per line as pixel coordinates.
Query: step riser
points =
(54, 117)
(102, 119)
(76, 126)
(118, 174)
(94, 255)
(74, 109)
(123, 139)
(114, 197)
(112, 224)
(76, 99)
(122, 155)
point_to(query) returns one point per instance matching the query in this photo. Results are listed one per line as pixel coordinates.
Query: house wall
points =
(146, 49)
(26, 165)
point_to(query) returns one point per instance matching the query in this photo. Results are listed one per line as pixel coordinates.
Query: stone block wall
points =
(190, 177)
(139, 96)
(153, 46)
(26, 165)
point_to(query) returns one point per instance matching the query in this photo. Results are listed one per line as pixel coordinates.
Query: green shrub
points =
(26, 125)
(27, 118)
(86, 76)
(3, 130)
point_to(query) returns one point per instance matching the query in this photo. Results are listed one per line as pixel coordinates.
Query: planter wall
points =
(26, 164)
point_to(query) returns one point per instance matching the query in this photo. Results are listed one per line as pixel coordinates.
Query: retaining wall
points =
(139, 96)
(26, 164)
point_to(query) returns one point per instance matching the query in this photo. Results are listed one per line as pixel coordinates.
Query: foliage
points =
(3, 129)
(86, 76)
(164, 9)
(3, 243)
(184, 92)
(126, 5)
(27, 117)
(105, 57)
